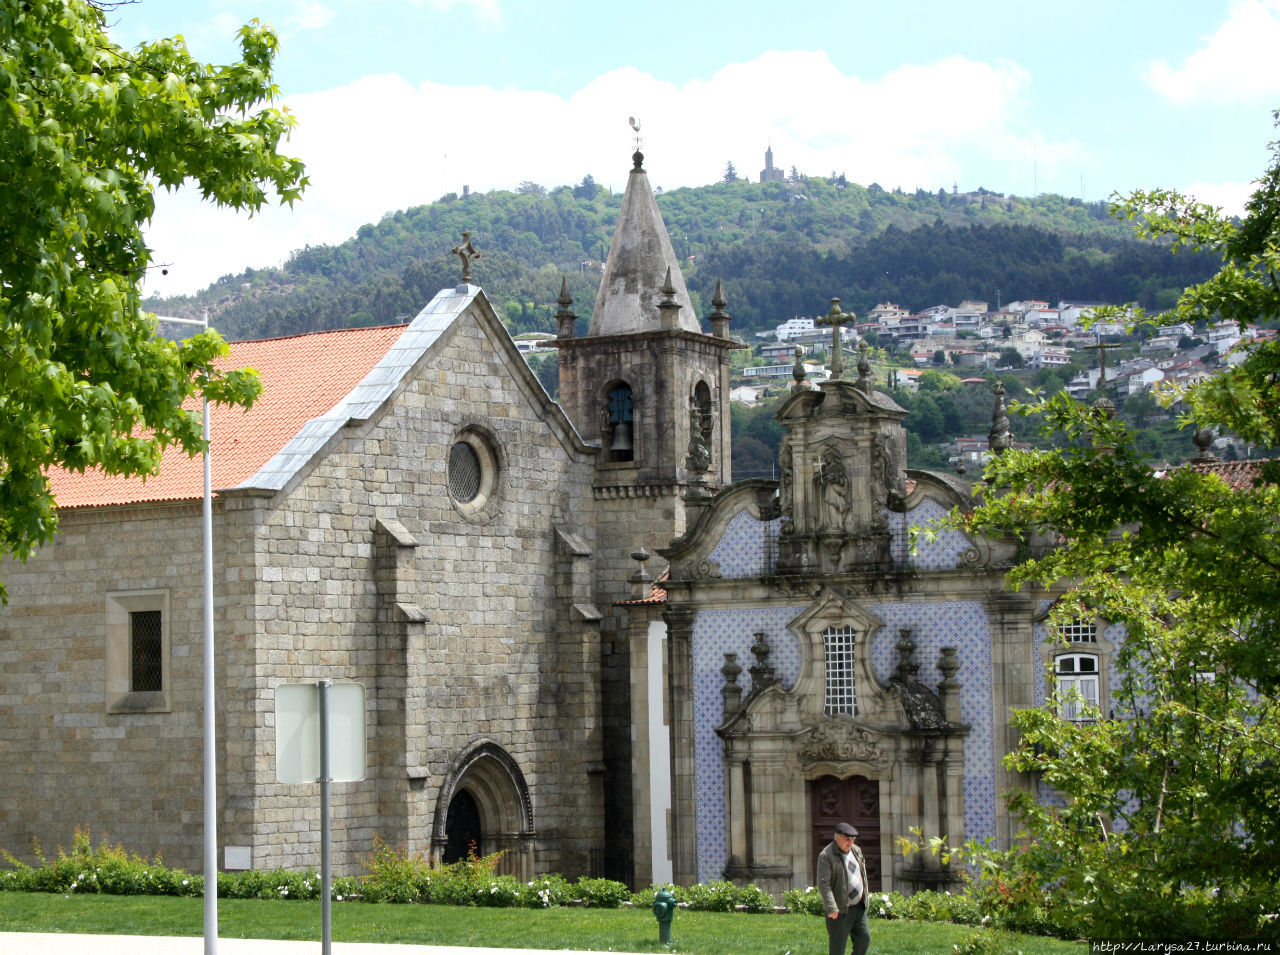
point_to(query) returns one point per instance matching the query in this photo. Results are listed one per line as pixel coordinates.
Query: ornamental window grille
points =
(1079, 631)
(1078, 685)
(146, 661)
(464, 472)
(840, 644)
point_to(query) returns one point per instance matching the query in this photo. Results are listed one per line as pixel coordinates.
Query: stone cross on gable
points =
(466, 251)
(835, 318)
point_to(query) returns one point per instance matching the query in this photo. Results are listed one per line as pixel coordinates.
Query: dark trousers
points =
(851, 924)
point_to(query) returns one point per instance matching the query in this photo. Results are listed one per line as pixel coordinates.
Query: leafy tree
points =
(530, 188)
(87, 130)
(1011, 358)
(1170, 822)
(587, 189)
(730, 173)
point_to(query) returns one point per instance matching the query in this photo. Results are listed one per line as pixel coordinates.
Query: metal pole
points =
(210, 721)
(326, 875)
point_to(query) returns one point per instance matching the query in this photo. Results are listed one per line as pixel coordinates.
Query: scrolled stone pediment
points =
(840, 741)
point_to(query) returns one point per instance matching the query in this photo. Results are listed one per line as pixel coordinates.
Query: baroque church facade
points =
(582, 644)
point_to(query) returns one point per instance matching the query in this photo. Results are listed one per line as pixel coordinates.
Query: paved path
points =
(31, 943)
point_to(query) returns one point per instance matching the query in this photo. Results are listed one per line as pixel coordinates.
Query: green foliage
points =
(724, 896)
(601, 893)
(1169, 819)
(87, 132)
(102, 868)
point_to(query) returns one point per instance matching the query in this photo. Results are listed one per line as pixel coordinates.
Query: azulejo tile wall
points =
(934, 625)
(965, 626)
(744, 549)
(715, 633)
(944, 552)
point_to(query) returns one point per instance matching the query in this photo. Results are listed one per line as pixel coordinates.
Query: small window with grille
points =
(146, 644)
(138, 679)
(840, 644)
(1079, 631)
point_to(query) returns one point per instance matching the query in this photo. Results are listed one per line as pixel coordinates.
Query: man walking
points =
(842, 881)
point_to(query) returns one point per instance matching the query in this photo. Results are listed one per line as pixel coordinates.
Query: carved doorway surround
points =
(855, 800)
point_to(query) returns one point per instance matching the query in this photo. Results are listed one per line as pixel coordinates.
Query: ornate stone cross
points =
(466, 251)
(835, 318)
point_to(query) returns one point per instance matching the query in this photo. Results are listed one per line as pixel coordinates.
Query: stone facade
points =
(822, 668)
(483, 561)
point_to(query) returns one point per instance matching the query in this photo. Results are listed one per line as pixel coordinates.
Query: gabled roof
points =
(639, 257)
(312, 386)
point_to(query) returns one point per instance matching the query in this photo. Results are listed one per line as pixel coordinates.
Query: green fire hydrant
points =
(664, 908)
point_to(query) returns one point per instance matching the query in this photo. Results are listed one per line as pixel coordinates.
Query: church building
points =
(581, 643)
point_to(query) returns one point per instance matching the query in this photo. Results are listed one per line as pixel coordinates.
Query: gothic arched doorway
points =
(463, 832)
(485, 800)
(855, 800)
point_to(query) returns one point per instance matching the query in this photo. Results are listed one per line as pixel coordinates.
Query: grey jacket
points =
(833, 878)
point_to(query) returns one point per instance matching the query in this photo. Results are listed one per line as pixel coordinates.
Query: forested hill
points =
(783, 249)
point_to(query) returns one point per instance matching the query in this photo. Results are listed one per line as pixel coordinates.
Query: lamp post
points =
(210, 726)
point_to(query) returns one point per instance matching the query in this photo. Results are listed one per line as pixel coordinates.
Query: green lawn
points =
(627, 930)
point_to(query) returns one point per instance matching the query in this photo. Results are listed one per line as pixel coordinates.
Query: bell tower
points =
(649, 386)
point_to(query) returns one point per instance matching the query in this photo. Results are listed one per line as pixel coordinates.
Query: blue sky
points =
(400, 102)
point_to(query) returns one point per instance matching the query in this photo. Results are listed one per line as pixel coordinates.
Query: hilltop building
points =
(769, 173)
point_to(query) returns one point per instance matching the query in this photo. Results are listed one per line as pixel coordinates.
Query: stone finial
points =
(761, 672)
(719, 319)
(466, 251)
(641, 581)
(732, 693)
(949, 688)
(798, 372)
(1203, 440)
(999, 438)
(637, 161)
(669, 307)
(908, 669)
(863, 383)
(1104, 405)
(565, 319)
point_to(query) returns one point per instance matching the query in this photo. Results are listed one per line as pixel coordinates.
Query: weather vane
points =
(635, 124)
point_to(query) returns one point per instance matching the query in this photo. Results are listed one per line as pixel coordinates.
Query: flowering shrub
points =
(804, 901)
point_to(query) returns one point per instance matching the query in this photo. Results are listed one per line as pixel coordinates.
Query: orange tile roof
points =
(302, 377)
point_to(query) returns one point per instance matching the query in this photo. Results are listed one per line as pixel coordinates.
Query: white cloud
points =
(381, 144)
(1236, 63)
(309, 15)
(1229, 196)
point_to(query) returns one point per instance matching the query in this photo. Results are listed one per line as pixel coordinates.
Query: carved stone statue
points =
(699, 457)
(832, 483)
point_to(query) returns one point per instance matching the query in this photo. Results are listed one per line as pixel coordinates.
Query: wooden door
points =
(855, 800)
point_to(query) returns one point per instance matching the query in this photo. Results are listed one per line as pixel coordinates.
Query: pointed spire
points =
(668, 307)
(565, 319)
(719, 319)
(640, 254)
